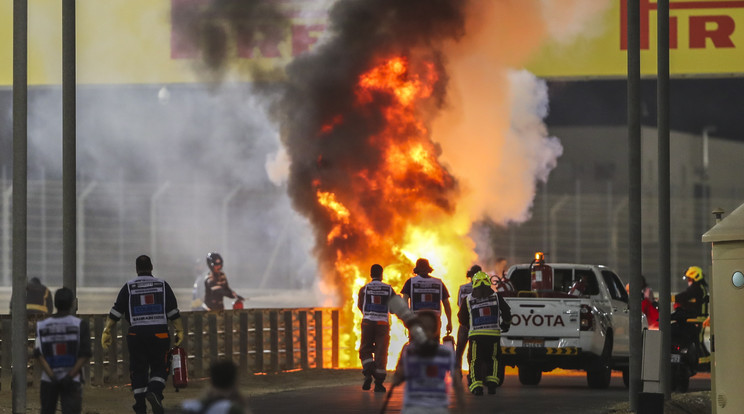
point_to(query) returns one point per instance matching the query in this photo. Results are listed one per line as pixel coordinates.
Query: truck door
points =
(620, 312)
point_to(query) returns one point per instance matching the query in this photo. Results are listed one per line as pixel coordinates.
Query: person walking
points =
(427, 292)
(215, 284)
(62, 347)
(462, 331)
(372, 301)
(147, 303)
(223, 396)
(487, 315)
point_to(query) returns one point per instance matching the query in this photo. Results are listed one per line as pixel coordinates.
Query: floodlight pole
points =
(19, 328)
(635, 253)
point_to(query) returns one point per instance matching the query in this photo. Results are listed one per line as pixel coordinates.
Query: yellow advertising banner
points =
(146, 41)
(706, 38)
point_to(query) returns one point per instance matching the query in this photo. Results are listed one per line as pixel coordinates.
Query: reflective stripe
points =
(475, 384)
(162, 335)
(140, 390)
(381, 371)
(157, 379)
(471, 367)
(495, 369)
(173, 312)
(367, 361)
(115, 313)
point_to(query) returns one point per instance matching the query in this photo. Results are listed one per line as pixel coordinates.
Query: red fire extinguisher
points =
(179, 368)
(541, 275)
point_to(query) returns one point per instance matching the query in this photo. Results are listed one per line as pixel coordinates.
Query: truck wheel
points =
(680, 378)
(599, 378)
(626, 377)
(529, 375)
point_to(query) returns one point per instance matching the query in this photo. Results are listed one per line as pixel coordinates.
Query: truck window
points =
(521, 279)
(592, 288)
(562, 279)
(615, 286)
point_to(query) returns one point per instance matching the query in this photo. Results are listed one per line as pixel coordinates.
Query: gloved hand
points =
(449, 327)
(505, 327)
(240, 298)
(177, 331)
(106, 338)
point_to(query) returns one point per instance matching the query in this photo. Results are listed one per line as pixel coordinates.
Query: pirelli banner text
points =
(147, 41)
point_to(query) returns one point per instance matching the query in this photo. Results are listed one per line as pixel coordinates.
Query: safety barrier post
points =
(228, 321)
(303, 340)
(198, 345)
(334, 338)
(288, 340)
(259, 342)
(5, 373)
(213, 337)
(97, 352)
(124, 350)
(113, 357)
(318, 339)
(243, 345)
(274, 340)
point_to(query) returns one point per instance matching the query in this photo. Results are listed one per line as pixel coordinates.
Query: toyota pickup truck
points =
(586, 329)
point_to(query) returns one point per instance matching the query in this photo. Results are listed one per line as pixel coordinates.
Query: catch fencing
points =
(257, 340)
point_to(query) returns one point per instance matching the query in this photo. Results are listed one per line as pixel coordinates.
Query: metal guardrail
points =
(258, 340)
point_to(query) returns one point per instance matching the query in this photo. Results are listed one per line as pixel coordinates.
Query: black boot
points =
(379, 387)
(367, 383)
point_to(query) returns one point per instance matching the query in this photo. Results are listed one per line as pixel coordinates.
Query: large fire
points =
(398, 211)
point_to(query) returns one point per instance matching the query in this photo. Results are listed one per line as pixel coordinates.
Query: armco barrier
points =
(258, 340)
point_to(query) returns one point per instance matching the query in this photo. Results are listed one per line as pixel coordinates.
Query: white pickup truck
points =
(553, 329)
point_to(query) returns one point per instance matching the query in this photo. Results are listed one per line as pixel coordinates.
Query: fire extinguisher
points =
(179, 368)
(238, 304)
(541, 275)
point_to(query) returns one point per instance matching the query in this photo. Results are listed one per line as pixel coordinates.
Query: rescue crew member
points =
(38, 298)
(62, 348)
(692, 303)
(372, 301)
(486, 315)
(424, 369)
(462, 331)
(216, 286)
(148, 303)
(427, 292)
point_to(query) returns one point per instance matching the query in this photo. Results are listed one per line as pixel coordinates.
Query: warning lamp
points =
(539, 257)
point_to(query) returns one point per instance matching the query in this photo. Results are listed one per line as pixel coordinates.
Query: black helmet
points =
(214, 259)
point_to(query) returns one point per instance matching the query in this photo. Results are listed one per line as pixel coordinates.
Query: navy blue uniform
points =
(373, 302)
(147, 303)
(61, 340)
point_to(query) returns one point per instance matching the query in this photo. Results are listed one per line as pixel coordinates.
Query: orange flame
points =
(399, 211)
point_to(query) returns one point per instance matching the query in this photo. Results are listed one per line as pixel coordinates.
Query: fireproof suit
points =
(148, 303)
(216, 288)
(484, 317)
(373, 350)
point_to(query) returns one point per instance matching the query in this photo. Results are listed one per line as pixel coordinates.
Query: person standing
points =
(427, 292)
(62, 347)
(372, 301)
(486, 315)
(462, 331)
(215, 284)
(148, 303)
(692, 303)
(38, 298)
(425, 369)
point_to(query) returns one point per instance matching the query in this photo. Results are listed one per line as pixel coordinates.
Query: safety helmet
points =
(214, 259)
(473, 270)
(481, 278)
(695, 273)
